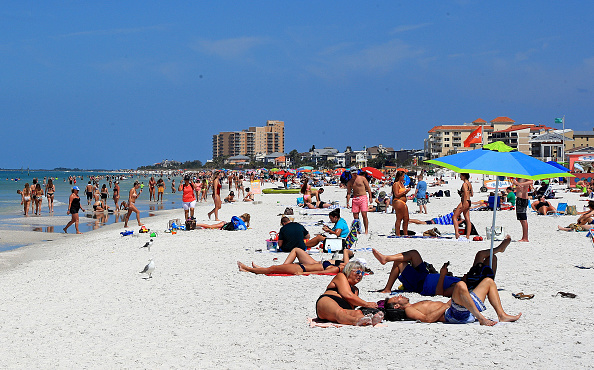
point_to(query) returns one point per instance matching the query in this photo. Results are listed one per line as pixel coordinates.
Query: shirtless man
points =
(89, 190)
(359, 186)
(464, 307)
(523, 186)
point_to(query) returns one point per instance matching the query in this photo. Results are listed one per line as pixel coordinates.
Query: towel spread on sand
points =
(327, 324)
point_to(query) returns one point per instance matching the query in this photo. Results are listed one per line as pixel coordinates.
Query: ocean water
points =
(11, 208)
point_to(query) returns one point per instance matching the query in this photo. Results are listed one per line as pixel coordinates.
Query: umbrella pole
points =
(494, 217)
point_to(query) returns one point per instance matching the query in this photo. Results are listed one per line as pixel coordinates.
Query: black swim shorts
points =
(521, 207)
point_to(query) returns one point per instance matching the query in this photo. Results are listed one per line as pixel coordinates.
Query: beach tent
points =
(500, 160)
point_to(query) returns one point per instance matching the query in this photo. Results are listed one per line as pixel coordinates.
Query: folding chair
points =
(352, 238)
(561, 208)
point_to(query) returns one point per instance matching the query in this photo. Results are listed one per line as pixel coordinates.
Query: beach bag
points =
(190, 224)
(477, 273)
(571, 210)
(300, 201)
(288, 211)
(447, 193)
(174, 224)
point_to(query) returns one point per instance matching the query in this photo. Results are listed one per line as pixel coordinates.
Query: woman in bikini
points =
(463, 208)
(306, 266)
(204, 190)
(338, 302)
(399, 192)
(306, 191)
(73, 208)
(216, 195)
(104, 195)
(116, 194)
(38, 199)
(134, 194)
(50, 189)
(26, 198)
(152, 184)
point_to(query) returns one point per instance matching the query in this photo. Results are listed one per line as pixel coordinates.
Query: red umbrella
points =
(281, 172)
(374, 172)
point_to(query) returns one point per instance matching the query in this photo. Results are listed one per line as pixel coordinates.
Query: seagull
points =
(148, 269)
(148, 245)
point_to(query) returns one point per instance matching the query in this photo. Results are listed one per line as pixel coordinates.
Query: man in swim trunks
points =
(359, 185)
(523, 186)
(89, 190)
(464, 307)
(418, 276)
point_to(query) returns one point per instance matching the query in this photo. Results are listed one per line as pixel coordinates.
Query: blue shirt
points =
(421, 189)
(343, 226)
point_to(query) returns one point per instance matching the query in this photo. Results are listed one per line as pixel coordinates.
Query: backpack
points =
(477, 273)
(345, 177)
(288, 211)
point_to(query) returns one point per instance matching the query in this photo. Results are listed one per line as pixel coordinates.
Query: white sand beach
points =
(78, 301)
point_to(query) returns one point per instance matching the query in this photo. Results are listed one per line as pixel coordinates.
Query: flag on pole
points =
(558, 120)
(475, 137)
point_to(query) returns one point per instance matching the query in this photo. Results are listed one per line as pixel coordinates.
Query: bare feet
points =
(242, 267)
(139, 224)
(504, 243)
(209, 213)
(487, 322)
(377, 318)
(65, 230)
(509, 318)
(380, 257)
(523, 240)
(365, 320)
(78, 232)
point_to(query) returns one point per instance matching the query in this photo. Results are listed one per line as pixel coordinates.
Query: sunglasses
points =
(360, 272)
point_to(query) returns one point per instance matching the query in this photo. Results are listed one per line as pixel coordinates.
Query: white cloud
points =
(409, 27)
(229, 48)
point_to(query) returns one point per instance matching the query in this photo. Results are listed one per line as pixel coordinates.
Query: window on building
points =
(446, 139)
(446, 146)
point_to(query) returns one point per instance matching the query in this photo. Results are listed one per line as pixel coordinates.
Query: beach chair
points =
(491, 202)
(352, 238)
(561, 208)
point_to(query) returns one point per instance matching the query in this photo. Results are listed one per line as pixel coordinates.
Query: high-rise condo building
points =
(255, 140)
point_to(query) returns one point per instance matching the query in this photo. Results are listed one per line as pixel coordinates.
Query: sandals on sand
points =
(566, 295)
(521, 295)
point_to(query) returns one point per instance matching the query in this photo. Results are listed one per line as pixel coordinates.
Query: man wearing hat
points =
(359, 185)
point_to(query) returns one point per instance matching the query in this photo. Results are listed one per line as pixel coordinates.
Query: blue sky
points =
(122, 84)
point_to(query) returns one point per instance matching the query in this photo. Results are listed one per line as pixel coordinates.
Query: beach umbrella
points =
(402, 169)
(374, 172)
(500, 160)
(274, 170)
(317, 173)
(555, 164)
(305, 168)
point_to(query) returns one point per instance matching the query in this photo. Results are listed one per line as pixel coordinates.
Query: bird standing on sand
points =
(148, 245)
(149, 268)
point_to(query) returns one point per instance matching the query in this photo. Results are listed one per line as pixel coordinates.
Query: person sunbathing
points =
(306, 266)
(583, 222)
(464, 307)
(418, 276)
(543, 206)
(338, 302)
(237, 223)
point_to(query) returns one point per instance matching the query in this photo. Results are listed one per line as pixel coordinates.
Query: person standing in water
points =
(73, 208)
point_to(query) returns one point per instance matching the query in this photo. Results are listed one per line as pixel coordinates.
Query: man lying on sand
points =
(417, 276)
(464, 307)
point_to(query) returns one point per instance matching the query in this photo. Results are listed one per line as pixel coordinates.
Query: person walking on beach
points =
(89, 190)
(116, 194)
(26, 198)
(133, 195)
(523, 186)
(73, 208)
(465, 193)
(188, 199)
(359, 186)
(173, 186)
(38, 198)
(421, 194)
(216, 195)
(399, 206)
(50, 189)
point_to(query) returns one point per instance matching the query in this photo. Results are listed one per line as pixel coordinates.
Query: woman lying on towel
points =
(237, 223)
(342, 296)
(306, 266)
(583, 222)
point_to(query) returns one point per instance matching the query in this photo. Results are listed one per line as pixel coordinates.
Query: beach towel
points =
(418, 237)
(321, 273)
(327, 324)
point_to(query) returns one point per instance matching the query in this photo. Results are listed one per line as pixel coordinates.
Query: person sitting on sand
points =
(291, 235)
(237, 223)
(381, 203)
(543, 206)
(230, 198)
(340, 229)
(418, 276)
(338, 302)
(464, 307)
(249, 196)
(306, 266)
(583, 222)
(98, 206)
(123, 205)
(319, 203)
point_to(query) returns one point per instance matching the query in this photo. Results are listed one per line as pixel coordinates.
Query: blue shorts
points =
(413, 278)
(457, 314)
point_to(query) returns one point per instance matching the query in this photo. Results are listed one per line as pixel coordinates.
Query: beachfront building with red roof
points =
(516, 136)
(449, 139)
